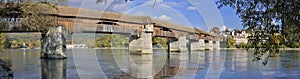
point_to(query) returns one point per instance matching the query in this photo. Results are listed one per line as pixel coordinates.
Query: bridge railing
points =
(161, 33)
(102, 28)
(191, 36)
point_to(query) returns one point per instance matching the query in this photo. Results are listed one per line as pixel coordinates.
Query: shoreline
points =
(253, 48)
(155, 48)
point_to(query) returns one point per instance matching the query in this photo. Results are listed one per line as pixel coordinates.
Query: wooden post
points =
(169, 49)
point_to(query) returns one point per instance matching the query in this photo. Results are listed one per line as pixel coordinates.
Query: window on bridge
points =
(148, 28)
(206, 41)
(107, 23)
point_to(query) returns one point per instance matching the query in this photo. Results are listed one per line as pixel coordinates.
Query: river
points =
(118, 64)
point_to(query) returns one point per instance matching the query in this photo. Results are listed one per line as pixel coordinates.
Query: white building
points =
(240, 36)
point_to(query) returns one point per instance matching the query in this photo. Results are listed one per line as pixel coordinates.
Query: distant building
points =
(240, 36)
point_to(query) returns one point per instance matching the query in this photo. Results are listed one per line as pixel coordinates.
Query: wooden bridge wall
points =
(79, 25)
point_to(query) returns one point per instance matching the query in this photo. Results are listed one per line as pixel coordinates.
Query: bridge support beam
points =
(142, 45)
(179, 45)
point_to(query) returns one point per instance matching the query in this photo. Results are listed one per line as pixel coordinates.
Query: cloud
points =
(164, 3)
(191, 8)
(175, 4)
(163, 17)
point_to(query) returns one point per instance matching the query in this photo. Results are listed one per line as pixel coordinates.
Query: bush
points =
(162, 42)
(4, 41)
(242, 45)
(111, 40)
(230, 42)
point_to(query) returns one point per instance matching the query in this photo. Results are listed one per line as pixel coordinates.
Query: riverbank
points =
(253, 48)
(157, 48)
(5, 72)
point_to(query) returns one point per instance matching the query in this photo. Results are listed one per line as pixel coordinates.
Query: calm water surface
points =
(118, 64)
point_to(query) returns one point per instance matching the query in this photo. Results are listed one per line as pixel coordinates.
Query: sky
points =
(202, 14)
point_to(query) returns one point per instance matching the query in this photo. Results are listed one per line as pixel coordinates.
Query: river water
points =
(118, 64)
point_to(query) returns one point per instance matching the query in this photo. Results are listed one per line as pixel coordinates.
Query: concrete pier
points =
(201, 44)
(142, 44)
(216, 45)
(179, 45)
(209, 45)
(197, 45)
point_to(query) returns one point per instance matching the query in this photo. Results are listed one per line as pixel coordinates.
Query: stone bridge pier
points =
(184, 44)
(179, 45)
(216, 44)
(142, 44)
(208, 44)
(196, 45)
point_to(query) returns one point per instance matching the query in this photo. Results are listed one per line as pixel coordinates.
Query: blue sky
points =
(202, 14)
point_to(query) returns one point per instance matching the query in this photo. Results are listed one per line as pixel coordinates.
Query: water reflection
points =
(53, 69)
(117, 64)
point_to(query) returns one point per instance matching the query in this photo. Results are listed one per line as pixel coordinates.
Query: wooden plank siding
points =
(161, 32)
(92, 25)
(112, 22)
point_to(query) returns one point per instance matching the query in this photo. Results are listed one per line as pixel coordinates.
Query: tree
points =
(4, 42)
(162, 42)
(265, 18)
(14, 44)
(242, 45)
(30, 14)
(292, 36)
(230, 42)
(111, 40)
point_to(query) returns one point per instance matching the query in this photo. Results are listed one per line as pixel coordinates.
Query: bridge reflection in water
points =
(183, 65)
(53, 69)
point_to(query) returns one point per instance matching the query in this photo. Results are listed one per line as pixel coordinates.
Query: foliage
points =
(17, 43)
(230, 42)
(14, 44)
(30, 14)
(243, 45)
(265, 18)
(34, 44)
(111, 40)
(292, 36)
(162, 42)
(4, 41)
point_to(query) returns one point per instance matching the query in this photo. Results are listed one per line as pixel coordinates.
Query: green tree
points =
(258, 16)
(242, 45)
(30, 14)
(111, 40)
(4, 42)
(14, 44)
(292, 36)
(230, 42)
(162, 42)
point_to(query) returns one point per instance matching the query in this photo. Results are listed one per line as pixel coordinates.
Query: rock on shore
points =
(5, 72)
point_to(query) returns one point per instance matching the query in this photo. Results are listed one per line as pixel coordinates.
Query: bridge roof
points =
(201, 31)
(80, 12)
(172, 25)
(98, 14)
(88, 13)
